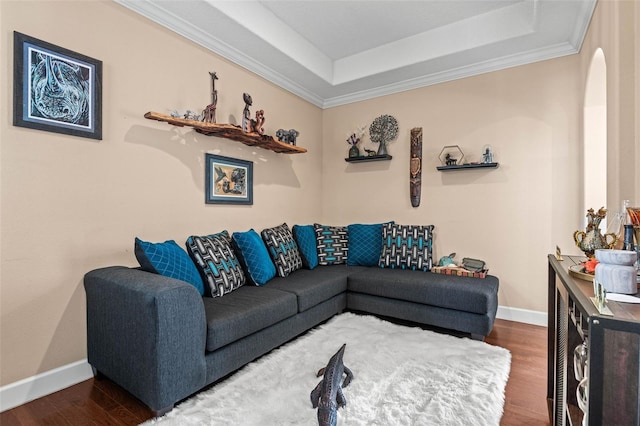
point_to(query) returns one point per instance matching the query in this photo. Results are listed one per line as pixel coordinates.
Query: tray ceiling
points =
(336, 52)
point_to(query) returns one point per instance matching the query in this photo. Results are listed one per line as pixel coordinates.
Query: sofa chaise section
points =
(467, 305)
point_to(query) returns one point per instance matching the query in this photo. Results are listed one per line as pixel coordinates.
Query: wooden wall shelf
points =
(229, 131)
(365, 158)
(468, 166)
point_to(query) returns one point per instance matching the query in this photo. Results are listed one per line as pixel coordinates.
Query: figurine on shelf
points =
(246, 114)
(449, 160)
(258, 123)
(487, 155)
(293, 136)
(190, 115)
(287, 136)
(370, 152)
(209, 113)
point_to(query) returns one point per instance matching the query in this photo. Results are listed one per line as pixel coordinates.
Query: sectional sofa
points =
(162, 338)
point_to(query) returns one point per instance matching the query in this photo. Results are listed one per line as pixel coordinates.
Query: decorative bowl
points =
(616, 257)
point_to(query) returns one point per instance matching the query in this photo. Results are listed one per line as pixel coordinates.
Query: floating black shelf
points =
(468, 166)
(365, 158)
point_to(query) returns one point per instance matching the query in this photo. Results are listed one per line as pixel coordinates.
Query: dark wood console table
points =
(613, 342)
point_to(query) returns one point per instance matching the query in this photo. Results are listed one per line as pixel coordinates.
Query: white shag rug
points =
(402, 376)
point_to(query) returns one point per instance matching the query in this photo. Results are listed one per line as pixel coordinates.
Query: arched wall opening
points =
(595, 136)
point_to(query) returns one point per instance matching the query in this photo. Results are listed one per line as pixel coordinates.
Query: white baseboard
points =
(42, 384)
(522, 315)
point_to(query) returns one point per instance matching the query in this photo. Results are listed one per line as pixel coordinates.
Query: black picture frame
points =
(56, 89)
(228, 180)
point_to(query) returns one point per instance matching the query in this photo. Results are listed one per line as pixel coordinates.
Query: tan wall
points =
(72, 204)
(511, 216)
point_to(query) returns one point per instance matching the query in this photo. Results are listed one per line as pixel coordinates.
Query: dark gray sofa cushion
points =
(476, 295)
(312, 287)
(245, 311)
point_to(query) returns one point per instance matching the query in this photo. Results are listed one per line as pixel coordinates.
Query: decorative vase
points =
(382, 149)
(354, 151)
(592, 239)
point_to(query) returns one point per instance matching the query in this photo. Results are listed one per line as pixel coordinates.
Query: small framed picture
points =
(55, 89)
(228, 180)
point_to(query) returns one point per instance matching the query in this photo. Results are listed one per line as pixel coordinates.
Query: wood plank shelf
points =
(367, 158)
(229, 131)
(468, 166)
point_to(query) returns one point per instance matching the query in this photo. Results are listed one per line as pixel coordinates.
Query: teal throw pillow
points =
(167, 259)
(365, 244)
(217, 263)
(407, 247)
(305, 237)
(253, 256)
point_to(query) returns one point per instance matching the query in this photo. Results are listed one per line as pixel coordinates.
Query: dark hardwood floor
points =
(101, 402)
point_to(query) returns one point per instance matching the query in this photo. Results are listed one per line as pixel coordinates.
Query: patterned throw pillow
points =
(305, 237)
(167, 259)
(332, 243)
(283, 249)
(253, 256)
(407, 247)
(217, 263)
(365, 244)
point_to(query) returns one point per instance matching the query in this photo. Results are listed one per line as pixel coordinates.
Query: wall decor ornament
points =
(56, 89)
(383, 130)
(415, 166)
(451, 155)
(228, 180)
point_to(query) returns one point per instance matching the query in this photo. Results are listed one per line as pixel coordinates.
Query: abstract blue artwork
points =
(56, 89)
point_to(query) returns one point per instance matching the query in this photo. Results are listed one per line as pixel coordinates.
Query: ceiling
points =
(337, 52)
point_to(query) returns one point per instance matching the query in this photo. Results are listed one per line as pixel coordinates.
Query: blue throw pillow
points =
(217, 263)
(365, 244)
(305, 237)
(168, 259)
(253, 256)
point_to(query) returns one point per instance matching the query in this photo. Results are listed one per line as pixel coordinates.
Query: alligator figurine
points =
(328, 396)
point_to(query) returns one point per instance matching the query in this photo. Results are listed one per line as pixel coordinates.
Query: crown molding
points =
(559, 50)
(307, 75)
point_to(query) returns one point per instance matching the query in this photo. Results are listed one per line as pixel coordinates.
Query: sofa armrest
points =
(147, 333)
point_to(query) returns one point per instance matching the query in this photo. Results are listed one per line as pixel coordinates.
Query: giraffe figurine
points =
(209, 113)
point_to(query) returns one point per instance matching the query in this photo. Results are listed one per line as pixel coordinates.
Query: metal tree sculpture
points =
(383, 130)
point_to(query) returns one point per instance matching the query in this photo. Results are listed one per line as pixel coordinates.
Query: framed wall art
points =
(228, 180)
(56, 89)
